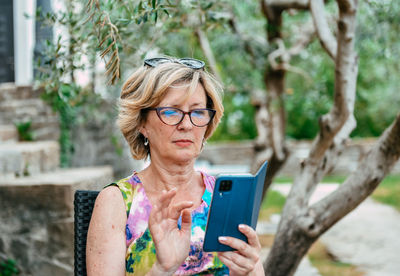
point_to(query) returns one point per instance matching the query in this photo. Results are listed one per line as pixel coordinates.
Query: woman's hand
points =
(172, 244)
(246, 260)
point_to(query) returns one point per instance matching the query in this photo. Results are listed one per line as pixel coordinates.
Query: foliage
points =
(8, 268)
(234, 67)
(24, 131)
(114, 22)
(123, 32)
(76, 48)
(377, 99)
(57, 68)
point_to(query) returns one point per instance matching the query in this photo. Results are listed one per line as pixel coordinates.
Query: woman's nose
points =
(186, 123)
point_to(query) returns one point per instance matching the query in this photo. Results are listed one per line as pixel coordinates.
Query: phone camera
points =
(225, 185)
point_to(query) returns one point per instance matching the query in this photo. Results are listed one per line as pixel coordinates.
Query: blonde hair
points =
(147, 86)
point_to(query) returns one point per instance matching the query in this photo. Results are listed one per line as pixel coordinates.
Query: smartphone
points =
(236, 200)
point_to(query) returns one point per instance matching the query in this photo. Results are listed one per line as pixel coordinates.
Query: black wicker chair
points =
(83, 207)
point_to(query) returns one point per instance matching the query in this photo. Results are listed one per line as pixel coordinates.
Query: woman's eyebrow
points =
(177, 105)
(197, 104)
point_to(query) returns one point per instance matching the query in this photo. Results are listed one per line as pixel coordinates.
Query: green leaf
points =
(155, 16)
(165, 10)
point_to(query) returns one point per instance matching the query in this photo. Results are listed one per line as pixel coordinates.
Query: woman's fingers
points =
(247, 257)
(251, 235)
(164, 209)
(240, 261)
(249, 250)
(232, 264)
(176, 210)
(166, 197)
(186, 221)
(242, 247)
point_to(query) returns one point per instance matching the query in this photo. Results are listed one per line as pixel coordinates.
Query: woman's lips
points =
(183, 143)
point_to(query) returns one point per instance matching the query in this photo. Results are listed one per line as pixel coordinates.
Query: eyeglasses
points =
(173, 116)
(189, 62)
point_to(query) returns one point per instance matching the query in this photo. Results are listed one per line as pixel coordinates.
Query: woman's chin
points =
(185, 156)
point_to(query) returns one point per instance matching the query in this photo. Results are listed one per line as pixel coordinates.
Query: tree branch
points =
(303, 39)
(325, 36)
(205, 46)
(359, 185)
(244, 39)
(288, 4)
(331, 123)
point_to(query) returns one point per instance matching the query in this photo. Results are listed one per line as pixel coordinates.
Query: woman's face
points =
(182, 142)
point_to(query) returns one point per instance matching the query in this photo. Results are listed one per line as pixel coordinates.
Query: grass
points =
(272, 204)
(388, 191)
(327, 264)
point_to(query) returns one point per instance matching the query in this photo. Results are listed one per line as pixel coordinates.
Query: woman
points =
(153, 222)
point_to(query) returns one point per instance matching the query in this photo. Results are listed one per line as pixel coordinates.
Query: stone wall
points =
(36, 196)
(241, 153)
(20, 104)
(36, 214)
(96, 140)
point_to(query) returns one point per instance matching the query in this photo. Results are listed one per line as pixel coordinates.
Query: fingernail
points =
(242, 226)
(222, 238)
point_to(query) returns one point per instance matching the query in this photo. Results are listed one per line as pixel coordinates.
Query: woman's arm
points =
(105, 248)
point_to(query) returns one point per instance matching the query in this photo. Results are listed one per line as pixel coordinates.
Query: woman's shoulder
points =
(209, 180)
(128, 184)
(110, 201)
(128, 187)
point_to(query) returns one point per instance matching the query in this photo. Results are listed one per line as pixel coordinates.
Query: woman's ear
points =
(143, 130)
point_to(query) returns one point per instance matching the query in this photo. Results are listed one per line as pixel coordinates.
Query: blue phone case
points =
(230, 207)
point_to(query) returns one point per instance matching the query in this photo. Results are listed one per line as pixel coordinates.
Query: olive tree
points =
(301, 223)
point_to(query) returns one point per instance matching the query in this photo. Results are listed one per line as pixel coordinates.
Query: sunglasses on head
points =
(189, 62)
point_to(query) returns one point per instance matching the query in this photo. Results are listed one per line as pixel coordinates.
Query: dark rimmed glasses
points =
(173, 116)
(189, 62)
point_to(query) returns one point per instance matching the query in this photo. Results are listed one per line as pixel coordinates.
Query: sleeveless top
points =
(141, 253)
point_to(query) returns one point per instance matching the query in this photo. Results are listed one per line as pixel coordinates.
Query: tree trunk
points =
(299, 226)
(274, 79)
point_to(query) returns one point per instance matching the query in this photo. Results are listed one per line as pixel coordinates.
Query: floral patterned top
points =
(141, 253)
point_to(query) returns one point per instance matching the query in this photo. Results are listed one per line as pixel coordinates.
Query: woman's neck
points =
(160, 176)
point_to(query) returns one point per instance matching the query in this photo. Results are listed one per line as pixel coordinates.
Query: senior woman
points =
(153, 222)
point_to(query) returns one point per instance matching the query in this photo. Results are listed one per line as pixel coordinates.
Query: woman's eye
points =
(198, 113)
(169, 113)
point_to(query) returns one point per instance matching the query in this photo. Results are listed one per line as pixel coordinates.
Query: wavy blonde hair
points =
(147, 86)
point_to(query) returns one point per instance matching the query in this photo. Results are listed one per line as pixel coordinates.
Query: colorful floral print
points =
(141, 253)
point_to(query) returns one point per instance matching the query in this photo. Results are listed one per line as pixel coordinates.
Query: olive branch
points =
(109, 36)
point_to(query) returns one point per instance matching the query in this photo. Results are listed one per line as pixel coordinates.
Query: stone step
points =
(25, 109)
(23, 104)
(44, 121)
(28, 158)
(9, 91)
(36, 214)
(8, 133)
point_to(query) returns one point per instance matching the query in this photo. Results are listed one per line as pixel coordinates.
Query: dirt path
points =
(369, 237)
